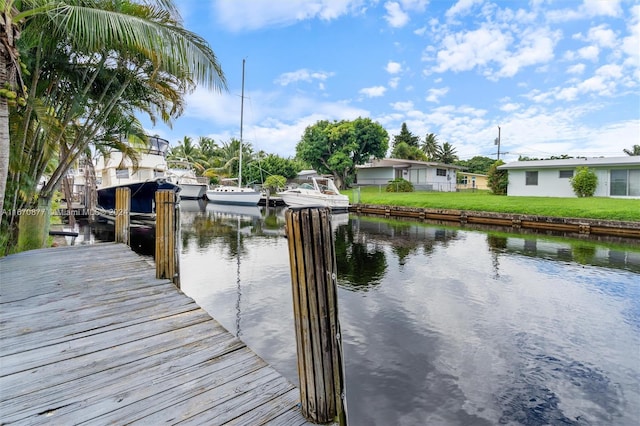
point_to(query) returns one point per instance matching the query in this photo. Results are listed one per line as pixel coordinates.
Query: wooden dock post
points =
(315, 309)
(123, 207)
(167, 220)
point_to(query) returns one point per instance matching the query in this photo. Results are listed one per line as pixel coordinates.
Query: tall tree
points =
(430, 146)
(446, 154)
(477, 164)
(405, 136)
(338, 147)
(136, 54)
(635, 150)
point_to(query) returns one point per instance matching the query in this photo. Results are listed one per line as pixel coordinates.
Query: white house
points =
(426, 176)
(617, 176)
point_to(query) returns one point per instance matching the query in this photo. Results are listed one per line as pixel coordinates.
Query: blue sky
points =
(558, 77)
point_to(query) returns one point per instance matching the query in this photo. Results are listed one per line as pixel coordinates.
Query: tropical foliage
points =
(338, 147)
(635, 150)
(584, 182)
(477, 164)
(89, 67)
(399, 185)
(497, 180)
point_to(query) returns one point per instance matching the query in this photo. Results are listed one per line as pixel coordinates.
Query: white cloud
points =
(393, 82)
(536, 47)
(254, 14)
(576, 69)
(464, 51)
(510, 107)
(373, 92)
(302, 75)
(402, 106)
(434, 95)
(396, 17)
(603, 36)
(588, 9)
(461, 7)
(589, 53)
(393, 67)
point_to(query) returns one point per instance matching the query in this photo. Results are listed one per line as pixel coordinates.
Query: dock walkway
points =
(89, 335)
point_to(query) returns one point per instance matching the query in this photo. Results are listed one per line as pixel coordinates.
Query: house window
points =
(565, 174)
(625, 183)
(122, 173)
(464, 180)
(441, 172)
(531, 178)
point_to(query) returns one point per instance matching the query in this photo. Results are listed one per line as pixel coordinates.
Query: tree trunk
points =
(33, 226)
(4, 129)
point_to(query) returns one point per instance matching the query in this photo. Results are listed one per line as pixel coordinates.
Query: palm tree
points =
(430, 146)
(633, 151)
(150, 35)
(446, 154)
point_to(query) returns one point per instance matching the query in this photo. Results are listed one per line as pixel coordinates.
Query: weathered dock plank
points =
(89, 335)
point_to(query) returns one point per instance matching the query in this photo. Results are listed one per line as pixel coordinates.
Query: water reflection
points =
(440, 325)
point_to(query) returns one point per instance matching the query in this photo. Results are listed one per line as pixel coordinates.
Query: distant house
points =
(617, 176)
(425, 176)
(472, 181)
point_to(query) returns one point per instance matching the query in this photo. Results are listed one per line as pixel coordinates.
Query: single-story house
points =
(424, 175)
(617, 176)
(468, 180)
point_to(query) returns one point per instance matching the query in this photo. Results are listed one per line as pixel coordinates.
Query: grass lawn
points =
(593, 207)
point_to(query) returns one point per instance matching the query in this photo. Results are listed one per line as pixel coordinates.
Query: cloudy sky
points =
(557, 76)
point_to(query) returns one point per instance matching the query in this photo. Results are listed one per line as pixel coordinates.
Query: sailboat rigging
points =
(236, 195)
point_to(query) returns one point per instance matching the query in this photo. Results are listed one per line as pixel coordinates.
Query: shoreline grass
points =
(590, 208)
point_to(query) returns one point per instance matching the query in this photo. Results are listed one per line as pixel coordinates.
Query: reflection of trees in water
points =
(582, 252)
(358, 268)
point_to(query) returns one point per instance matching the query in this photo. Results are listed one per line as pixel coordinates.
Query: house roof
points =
(574, 162)
(399, 163)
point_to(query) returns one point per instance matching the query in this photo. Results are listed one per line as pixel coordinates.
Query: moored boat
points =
(182, 174)
(115, 171)
(239, 195)
(319, 192)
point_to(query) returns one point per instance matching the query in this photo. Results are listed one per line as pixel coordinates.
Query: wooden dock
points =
(89, 335)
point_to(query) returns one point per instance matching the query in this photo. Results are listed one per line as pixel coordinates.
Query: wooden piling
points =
(122, 223)
(315, 307)
(167, 259)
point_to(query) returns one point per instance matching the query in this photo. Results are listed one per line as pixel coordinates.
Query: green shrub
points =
(275, 183)
(399, 185)
(584, 182)
(497, 180)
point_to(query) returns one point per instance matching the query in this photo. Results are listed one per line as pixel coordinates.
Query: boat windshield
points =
(306, 186)
(158, 145)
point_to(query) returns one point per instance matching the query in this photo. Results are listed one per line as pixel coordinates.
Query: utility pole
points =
(497, 142)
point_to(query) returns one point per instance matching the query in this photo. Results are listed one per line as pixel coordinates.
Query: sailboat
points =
(238, 195)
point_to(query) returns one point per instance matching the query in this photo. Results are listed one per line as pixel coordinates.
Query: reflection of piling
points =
(123, 206)
(167, 259)
(315, 307)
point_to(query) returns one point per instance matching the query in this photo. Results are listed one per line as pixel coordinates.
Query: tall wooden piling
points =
(122, 223)
(167, 219)
(315, 308)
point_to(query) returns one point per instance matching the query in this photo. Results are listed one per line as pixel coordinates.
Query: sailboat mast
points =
(241, 124)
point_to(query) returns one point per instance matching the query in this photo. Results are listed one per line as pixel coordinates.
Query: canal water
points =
(441, 325)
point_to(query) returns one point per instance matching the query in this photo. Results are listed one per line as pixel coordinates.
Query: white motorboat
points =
(320, 192)
(235, 194)
(182, 174)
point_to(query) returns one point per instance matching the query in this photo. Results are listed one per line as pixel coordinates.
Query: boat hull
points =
(301, 199)
(142, 195)
(191, 191)
(233, 195)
